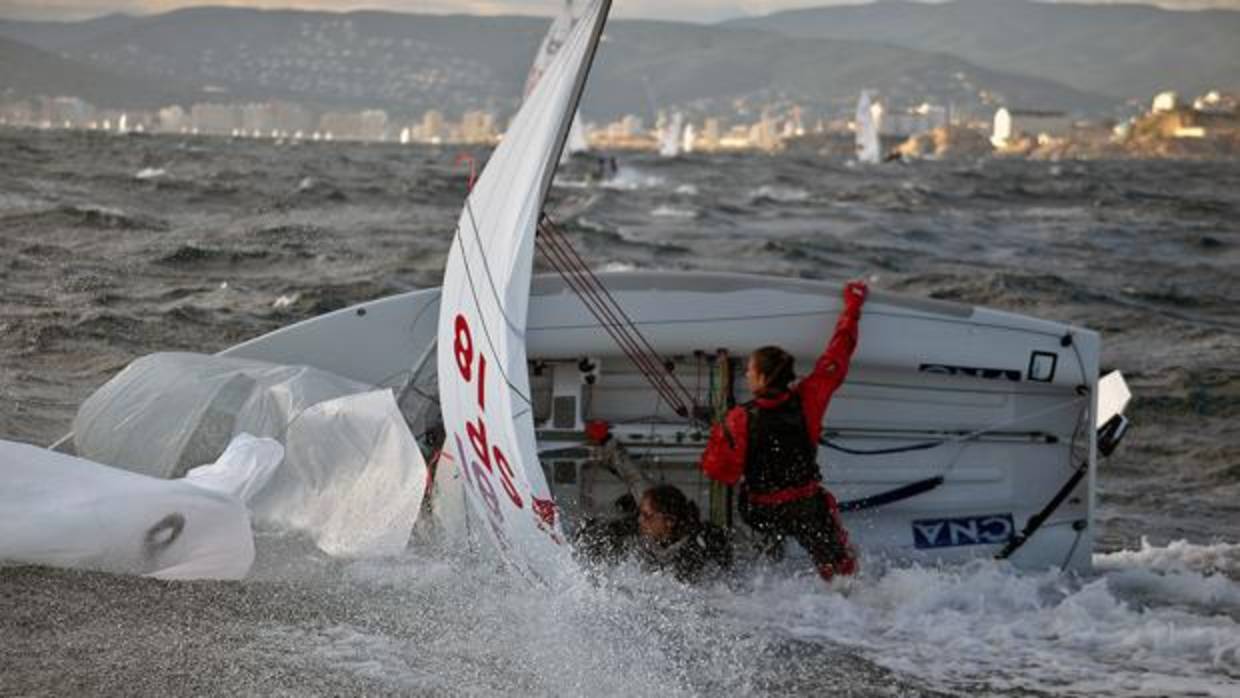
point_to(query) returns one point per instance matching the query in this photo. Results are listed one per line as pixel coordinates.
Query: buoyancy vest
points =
(779, 454)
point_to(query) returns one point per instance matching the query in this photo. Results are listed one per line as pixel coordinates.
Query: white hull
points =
(925, 371)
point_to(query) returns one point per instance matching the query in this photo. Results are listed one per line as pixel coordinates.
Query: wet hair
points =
(776, 366)
(671, 502)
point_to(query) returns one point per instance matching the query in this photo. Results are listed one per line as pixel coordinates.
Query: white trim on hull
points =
(1008, 395)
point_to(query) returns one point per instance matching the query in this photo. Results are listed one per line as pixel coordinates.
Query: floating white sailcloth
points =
(483, 378)
(561, 27)
(868, 115)
(63, 511)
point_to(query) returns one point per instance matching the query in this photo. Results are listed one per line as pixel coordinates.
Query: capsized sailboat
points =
(961, 433)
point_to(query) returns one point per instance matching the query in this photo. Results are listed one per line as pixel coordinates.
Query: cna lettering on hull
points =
(987, 529)
(480, 464)
(1013, 375)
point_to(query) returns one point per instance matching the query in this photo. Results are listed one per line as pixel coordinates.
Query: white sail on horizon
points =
(672, 138)
(481, 358)
(868, 120)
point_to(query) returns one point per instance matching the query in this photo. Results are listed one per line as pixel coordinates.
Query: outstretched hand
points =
(855, 292)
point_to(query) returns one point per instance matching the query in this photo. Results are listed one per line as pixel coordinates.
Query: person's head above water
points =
(665, 514)
(770, 370)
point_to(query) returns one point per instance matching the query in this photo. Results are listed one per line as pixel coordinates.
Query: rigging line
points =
(647, 366)
(606, 313)
(622, 341)
(486, 267)
(647, 360)
(599, 284)
(486, 332)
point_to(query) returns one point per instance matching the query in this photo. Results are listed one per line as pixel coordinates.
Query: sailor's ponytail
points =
(776, 366)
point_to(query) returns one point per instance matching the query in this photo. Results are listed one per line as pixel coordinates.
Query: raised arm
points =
(831, 367)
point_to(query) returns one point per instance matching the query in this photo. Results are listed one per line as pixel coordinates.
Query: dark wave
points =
(92, 217)
(192, 255)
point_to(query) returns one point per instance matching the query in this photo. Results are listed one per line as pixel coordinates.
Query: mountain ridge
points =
(1122, 50)
(410, 63)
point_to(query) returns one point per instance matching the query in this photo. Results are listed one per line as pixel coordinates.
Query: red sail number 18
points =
(489, 456)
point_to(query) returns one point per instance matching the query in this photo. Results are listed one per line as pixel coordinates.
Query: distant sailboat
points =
(556, 36)
(869, 118)
(672, 138)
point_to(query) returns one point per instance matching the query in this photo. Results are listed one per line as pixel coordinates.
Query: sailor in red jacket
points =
(770, 445)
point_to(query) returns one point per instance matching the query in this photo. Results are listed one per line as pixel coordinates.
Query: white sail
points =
(669, 147)
(689, 142)
(867, 122)
(556, 36)
(483, 378)
(63, 511)
(577, 142)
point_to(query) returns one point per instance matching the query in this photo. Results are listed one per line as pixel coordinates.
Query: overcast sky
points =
(684, 10)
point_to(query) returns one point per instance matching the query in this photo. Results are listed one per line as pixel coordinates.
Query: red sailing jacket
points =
(724, 457)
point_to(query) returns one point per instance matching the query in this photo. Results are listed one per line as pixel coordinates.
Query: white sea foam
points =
(979, 627)
(1176, 556)
(673, 212)
(784, 195)
(631, 178)
(150, 173)
(1132, 631)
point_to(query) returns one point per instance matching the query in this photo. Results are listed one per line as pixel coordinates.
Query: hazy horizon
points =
(680, 10)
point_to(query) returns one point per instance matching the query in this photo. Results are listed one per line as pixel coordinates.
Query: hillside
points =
(1126, 51)
(410, 63)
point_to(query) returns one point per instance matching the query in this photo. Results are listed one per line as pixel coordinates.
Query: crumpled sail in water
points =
(869, 113)
(195, 404)
(64, 511)
(556, 36)
(353, 477)
(243, 470)
(670, 145)
(483, 377)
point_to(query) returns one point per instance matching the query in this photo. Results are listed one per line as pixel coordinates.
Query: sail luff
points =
(575, 100)
(483, 375)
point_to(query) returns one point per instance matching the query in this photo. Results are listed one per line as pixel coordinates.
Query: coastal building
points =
(1011, 125)
(68, 112)
(478, 127)
(432, 128)
(1165, 102)
(341, 126)
(172, 119)
(372, 125)
(215, 118)
(910, 122)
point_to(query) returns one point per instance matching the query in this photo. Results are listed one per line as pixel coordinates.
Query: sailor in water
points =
(664, 531)
(770, 444)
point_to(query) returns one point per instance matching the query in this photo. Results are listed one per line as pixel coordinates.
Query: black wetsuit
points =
(705, 550)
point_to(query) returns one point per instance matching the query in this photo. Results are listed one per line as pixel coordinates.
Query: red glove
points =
(598, 432)
(855, 292)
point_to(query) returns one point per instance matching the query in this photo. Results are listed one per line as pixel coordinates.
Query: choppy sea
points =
(112, 247)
